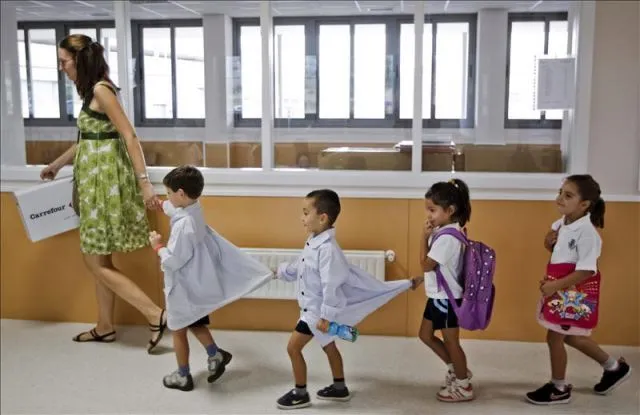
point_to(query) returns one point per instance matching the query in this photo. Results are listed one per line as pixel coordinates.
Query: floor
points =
(43, 372)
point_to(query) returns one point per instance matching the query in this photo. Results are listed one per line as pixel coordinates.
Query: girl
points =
(447, 205)
(113, 188)
(571, 290)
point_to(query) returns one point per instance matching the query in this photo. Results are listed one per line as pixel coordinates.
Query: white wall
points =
(614, 146)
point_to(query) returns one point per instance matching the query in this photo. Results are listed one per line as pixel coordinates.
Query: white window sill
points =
(350, 184)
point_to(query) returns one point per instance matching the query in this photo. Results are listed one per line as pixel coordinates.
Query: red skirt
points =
(576, 306)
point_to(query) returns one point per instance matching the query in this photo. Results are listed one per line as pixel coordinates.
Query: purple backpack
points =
(479, 265)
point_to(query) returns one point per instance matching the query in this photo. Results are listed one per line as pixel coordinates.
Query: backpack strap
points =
(442, 282)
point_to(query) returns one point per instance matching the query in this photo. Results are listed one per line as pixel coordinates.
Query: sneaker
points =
(176, 381)
(611, 379)
(550, 395)
(456, 393)
(451, 377)
(218, 364)
(331, 393)
(291, 400)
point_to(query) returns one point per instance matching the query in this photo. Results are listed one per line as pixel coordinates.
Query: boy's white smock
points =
(202, 270)
(332, 289)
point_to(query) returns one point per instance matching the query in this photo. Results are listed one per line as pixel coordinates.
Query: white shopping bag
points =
(46, 209)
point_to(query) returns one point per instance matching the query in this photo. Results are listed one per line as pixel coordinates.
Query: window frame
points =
(138, 91)
(62, 30)
(546, 18)
(393, 23)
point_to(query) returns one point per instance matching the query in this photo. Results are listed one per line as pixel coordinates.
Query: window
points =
(48, 97)
(171, 87)
(532, 36)
(358, 72)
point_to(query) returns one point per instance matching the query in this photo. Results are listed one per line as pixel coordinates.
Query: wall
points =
(614, 146)
(57, 287)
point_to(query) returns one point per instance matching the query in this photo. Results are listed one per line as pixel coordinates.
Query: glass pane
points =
(334, 54)
(289, 64)
(452, 54)
(370, 44)
(527, 43)
(190, 72)
(158, 102)
(558, 46)
(43, 58)
(84, 31)
(407, 59)
(22, 61)
(109, 41)
(251, 71)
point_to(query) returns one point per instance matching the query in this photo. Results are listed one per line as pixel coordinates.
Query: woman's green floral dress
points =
(112, 212)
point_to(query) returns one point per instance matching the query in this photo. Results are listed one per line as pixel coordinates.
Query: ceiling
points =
(186, 9)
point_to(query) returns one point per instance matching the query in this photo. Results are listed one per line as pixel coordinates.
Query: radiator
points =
(371, 261)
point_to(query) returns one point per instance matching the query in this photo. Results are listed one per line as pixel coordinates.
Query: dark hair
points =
(187, 178)
(91, 66)
(589, 190)
(326, 202)
(452, 193)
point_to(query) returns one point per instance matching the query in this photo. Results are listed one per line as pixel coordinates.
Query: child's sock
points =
(301, 389)
(184, 370)
(560, 384)
(338, 383)
(450, 366)
(212, 349)
(610, 365)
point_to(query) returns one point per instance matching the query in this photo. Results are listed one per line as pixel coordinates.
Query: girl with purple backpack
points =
(570, 292)
(442, 257)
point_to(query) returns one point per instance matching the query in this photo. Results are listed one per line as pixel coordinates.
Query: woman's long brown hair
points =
(91, 66)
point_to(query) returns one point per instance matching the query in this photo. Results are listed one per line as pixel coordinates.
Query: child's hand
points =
(427, 229)
(323, 325)
(416, 282)
(550, 239)
(548, 288)
(155, 239)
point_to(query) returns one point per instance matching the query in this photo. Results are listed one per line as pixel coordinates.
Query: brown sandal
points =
(95, 337)
(157, 328)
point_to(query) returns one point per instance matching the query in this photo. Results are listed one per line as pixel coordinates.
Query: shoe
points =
(451, 376)
(611, 379)
(550, 395)
(176, 381)
(331, 393)
(291, 400)
(218, 364)
(456, 393)
(226, 356)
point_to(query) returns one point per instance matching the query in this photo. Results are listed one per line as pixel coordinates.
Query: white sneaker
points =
(451, 377)
(456, 393)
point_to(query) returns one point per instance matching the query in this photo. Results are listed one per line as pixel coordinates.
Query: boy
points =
(329, 289)
(202, 272)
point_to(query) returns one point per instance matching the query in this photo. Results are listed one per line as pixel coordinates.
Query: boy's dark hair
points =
(589, 189)
(452, 193)
(326, 202)
(187, 178)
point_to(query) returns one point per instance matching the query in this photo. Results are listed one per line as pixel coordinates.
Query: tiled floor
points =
(43, 372)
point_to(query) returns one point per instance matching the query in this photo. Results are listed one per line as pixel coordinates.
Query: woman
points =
(112, 186)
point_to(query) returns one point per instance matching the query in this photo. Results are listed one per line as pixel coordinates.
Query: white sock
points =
(450, 366)
(560, 384)
(611, 364)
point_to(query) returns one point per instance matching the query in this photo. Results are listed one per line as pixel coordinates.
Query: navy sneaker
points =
(292, 400)
(550, 395)
(611, 379)
(331, 393)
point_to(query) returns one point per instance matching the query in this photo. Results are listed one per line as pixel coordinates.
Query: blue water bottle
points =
(343, 331)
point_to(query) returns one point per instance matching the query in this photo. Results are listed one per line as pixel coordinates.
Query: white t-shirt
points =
(578, 243)
(446, 251)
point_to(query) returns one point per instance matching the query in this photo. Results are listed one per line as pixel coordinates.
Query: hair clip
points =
(453, 182)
